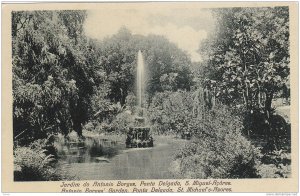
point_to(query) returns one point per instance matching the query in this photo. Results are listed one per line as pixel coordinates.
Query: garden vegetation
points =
(64, 81)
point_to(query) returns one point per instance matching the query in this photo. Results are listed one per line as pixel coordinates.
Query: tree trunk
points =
(272, 135)
(268, 102)
(77, 127)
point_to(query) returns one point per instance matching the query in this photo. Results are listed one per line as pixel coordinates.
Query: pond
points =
(99, 158)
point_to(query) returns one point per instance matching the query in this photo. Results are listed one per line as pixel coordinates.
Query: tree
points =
(250, 55)
(51, 83)
(167, 67)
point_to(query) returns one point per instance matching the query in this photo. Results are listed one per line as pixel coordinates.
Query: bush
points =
(170, 112)
(89, 126)
(35, 163)
(275, 164)
(122, 122)
(273, 128)
(218, 150)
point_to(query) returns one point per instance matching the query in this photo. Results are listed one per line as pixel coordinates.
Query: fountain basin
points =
(139, 137)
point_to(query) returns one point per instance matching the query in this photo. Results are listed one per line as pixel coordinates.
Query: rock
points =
(102, 159)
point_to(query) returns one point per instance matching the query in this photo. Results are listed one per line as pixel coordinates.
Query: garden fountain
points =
(139, 135)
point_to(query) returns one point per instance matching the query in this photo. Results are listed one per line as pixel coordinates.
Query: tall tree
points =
(167, 67)
(51, 86)
(249, 54)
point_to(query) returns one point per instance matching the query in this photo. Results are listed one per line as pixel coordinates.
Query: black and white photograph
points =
(137, 94)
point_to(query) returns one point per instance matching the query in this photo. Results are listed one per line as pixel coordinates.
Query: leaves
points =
(48, 72)
(219, 149)
(249, 50)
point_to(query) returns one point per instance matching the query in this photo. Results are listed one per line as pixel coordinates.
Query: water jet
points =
(139, 135)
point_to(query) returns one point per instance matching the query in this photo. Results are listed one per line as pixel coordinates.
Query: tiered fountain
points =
(139, 135)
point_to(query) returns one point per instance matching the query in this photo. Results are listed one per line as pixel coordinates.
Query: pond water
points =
(98, 158)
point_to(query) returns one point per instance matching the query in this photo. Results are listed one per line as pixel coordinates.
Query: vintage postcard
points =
(150, 97)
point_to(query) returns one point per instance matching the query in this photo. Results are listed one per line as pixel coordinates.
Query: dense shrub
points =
(218, 150)
(118, 123)
(273, 171)
(275, 165)
(122, 121)
(35, 163)
(170, 112)
(272, 127)
(103, 109)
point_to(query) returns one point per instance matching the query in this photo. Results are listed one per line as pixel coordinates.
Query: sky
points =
(184, 27)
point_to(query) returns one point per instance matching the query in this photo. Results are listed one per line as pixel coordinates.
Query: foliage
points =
(249, 55)
(122, 122)
(62, 80)
(273, 125)
(272, 171)
(52, 80)
(275, 165)
(219, 150)
(103, 109)
(170, 112)
(178, 112)
(131, 102)
(116, 121)
(167, 67)
(34, 163)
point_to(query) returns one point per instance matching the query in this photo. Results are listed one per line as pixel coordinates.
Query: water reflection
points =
(88, 150)
(104, 159)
